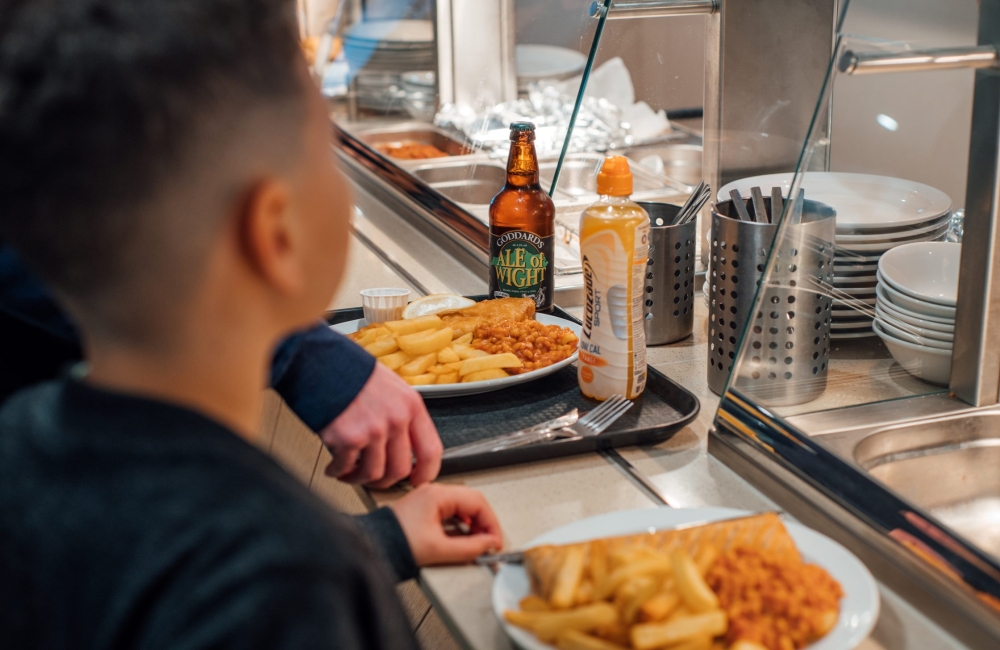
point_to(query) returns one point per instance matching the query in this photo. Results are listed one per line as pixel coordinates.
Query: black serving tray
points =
(663, 409)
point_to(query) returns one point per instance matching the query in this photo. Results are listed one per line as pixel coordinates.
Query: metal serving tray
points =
(414, 132)
(663, 409)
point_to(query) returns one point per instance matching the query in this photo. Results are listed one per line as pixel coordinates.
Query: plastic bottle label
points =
(613, 345)
(520, 266)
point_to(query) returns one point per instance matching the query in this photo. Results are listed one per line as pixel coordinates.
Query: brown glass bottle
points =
(522, 228)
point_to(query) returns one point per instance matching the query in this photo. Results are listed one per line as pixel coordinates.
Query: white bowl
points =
(927, 271)
(924, 333)
(882, 291)
(921, 307)
(898, 313)
(904, 334)
(929, 364)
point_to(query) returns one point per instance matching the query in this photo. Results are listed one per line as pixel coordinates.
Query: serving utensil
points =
(741, 208)
(777, 203)
(694, 204)
(759, 207)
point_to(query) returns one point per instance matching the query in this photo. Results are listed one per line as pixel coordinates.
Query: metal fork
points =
(597, 421)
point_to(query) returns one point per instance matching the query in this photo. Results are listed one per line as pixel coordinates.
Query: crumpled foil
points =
(956, 227)
(599, 125)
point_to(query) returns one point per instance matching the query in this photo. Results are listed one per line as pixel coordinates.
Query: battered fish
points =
(499, 309)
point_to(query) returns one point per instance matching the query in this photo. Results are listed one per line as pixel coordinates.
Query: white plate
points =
(840, 336)
(908, 234)
(927, 271)
(884, 246)
(921, 307)
(849, 326)
(861, 200)
(840, 280)
(855, 292)
(858, 609)
(475, 388)
(536, 62)
(929, 364)
(863, 259)
(853, 302)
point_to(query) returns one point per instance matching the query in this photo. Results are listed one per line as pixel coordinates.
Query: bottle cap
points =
(518, 129)
(615, 177)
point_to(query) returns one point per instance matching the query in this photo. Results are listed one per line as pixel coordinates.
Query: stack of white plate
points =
(378, 52)
(917, 292)
(875, 214)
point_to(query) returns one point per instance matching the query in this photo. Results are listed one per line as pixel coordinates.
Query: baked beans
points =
(537, 345)
(780, 603)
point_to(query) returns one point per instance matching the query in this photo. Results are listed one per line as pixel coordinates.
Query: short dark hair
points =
(108, 107)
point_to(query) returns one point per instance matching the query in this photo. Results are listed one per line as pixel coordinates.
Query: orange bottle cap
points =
(615, 177)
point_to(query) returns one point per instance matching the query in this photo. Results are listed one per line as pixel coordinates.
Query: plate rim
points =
(771, 179)
(480, 387)
(524, 639)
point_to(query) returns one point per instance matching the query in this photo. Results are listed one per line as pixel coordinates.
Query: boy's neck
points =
(217, 375)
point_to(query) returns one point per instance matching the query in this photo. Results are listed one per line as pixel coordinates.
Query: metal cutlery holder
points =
(668, 302)
(786, 358)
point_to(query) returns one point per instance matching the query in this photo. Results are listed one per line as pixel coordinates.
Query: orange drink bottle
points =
(614, 245)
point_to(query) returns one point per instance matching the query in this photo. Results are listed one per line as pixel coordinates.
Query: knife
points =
(514, 439)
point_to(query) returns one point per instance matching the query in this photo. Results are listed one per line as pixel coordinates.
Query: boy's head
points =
(158, 156)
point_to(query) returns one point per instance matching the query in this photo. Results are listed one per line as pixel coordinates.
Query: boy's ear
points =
(269, 237)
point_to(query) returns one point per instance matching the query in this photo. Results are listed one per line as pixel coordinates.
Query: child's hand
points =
(422, 511)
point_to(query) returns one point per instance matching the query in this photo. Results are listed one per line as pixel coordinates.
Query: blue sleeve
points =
(319, 372)
(386, 535)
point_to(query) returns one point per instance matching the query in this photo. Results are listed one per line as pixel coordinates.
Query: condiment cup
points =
(381, 305)
(929, 364)
(926, 271)
(921, 307)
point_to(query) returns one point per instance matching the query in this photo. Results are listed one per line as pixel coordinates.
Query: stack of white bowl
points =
(875, 214)
(915, 307)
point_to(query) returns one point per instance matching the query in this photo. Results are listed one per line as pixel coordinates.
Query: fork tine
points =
(610, 417)
(600, 409)
(607, 424)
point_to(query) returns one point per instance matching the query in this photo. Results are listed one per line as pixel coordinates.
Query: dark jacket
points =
(127, 523)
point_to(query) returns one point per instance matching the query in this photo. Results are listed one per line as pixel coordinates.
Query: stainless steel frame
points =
(475, 40)
(657, 8)
(856, 63)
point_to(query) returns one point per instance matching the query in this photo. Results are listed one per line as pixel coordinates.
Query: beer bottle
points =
(522, 227)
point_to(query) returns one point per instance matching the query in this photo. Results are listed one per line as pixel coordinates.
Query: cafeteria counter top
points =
(533, 498)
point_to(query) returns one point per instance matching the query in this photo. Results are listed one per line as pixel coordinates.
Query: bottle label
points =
(613, 341)
(521, 266)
